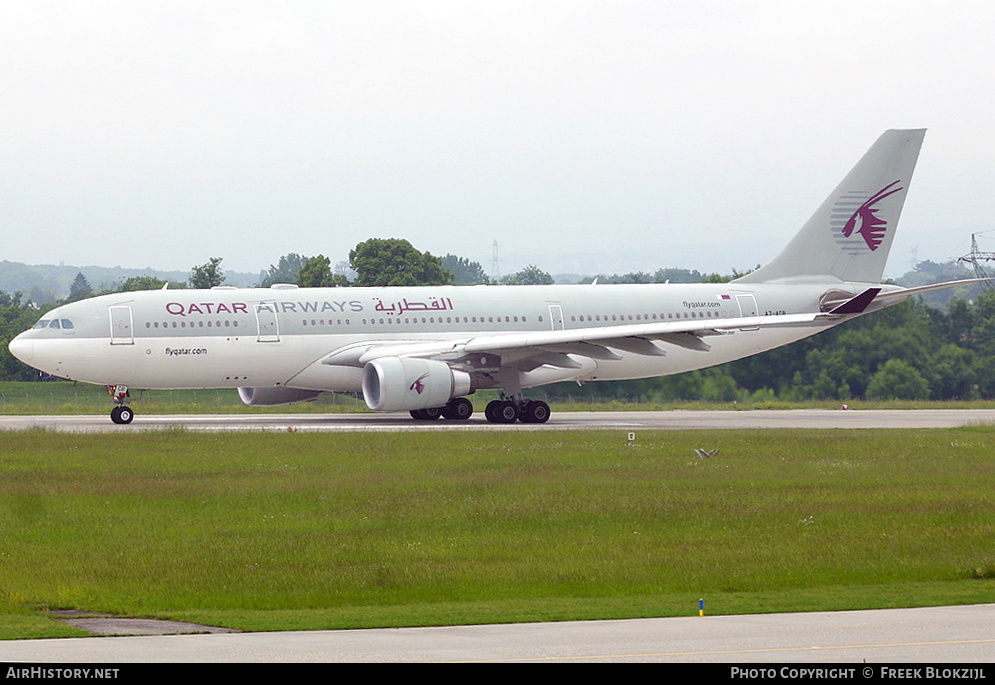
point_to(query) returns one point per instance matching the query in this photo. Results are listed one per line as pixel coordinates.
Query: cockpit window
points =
(64, 324)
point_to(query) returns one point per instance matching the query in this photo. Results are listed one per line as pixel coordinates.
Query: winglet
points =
(856, 305)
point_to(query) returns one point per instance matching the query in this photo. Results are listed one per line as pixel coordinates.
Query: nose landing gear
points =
(121, 413)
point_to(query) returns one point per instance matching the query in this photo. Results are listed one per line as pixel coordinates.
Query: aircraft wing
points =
(553, 346)
(531, 349)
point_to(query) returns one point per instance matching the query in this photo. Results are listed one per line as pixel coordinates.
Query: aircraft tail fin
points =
(849, 236)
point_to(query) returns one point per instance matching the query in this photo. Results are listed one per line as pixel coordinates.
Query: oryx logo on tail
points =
(865, 220)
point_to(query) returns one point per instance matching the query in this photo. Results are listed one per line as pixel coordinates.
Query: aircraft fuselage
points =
(228, 338)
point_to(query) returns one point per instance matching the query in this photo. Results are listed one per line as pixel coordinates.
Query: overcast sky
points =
(581, 136)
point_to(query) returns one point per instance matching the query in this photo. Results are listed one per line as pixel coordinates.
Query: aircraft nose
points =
(23, 348)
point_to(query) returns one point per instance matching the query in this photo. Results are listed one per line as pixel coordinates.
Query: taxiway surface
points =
(960, 635)
(622, 420)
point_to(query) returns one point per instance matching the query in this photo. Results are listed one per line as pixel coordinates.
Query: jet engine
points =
(267, 397)
(403, 383)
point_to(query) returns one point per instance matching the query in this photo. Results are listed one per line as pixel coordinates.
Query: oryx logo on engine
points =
(417, 385)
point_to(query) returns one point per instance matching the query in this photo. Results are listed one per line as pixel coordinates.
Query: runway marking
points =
(769, 650)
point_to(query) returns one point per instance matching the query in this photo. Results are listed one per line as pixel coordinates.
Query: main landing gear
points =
(458, 409)
(509, 411)
(121, 413)
(498, 411)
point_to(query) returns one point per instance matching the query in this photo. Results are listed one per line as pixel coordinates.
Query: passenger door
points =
(122, 329)
(267, 322)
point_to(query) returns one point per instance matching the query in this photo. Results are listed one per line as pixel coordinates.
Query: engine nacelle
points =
(267, 397)
(406, 384)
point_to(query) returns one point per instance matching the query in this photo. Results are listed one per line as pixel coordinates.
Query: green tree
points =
(897, 380)
(982, 335)
(675, 275)
(394, 261)
(141, 283)
(15, 316)
(718, 386)
(284, 271)
(530, 275)
(207, 275)
(464, 271)
(957, 322)
(317, 273)
(953, 374)
(79, 289)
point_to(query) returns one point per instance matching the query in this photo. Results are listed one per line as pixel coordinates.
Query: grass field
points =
(276, 531)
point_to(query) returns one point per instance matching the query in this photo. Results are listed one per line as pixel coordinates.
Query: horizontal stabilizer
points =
(856, 305)
(904, 293)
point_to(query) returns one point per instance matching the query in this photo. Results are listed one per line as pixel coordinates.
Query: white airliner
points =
(424, 349)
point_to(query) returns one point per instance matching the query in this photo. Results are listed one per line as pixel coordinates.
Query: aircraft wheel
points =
(489, 411)
(430, 414)
(460, 409)
(501, 411)
(535, 411)
(122, 414)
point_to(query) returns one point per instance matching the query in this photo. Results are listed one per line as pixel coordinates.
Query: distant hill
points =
(42, 283)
